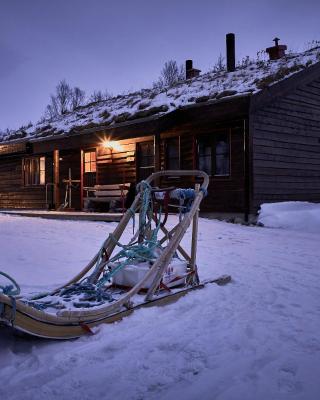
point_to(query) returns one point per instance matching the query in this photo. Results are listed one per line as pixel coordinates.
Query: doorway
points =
(89, 168)
(145, 160)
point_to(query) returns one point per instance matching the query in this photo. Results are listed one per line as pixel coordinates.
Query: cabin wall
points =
(286, 147)
(225, 194)
(13, 193)
(119, 165)
(122, 165)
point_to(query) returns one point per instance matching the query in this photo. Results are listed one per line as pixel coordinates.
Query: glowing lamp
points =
(111, 145)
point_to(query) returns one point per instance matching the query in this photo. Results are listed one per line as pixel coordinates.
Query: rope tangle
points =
(143, 247)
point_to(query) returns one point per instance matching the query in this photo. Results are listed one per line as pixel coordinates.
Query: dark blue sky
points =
(122, 45)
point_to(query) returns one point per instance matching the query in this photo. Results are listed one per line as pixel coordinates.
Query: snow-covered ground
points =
(256, 338)
(297, 215)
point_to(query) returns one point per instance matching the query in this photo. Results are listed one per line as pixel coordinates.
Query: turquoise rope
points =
(10, 290)
(95, 294)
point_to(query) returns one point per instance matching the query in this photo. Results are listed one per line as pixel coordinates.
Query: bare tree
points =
(170, 75)
(98, 95)
(220, 64)
(64, 99)
(60, 101)
(77, 97)
(52, 108)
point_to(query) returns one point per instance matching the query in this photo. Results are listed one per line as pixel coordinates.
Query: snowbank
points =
(297, 215)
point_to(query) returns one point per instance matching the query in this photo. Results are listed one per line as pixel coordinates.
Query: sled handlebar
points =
(178, 173)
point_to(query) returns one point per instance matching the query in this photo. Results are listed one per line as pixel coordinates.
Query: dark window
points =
(173, 153)
(214, 154)
(34, 171)
(205, 155)
(222, 155)
(145, 159)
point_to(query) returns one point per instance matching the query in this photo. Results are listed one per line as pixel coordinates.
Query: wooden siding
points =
(118, 166)
(225, 194)
(13, 194)
(286, 147)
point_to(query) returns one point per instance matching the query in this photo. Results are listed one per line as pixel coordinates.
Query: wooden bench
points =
(115, 195)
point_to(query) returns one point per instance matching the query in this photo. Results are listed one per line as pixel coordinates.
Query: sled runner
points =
(152, 269)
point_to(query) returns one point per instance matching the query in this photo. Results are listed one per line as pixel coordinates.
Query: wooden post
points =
(56, 178)
(70, 189)
(157, 152)
(81, 178)
(193, 262)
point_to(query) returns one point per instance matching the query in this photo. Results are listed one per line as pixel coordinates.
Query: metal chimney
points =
(231, 54)
(277, 51)
(189, 65)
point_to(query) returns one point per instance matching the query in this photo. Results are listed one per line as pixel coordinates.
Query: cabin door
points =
(89, 168)
(145, 159)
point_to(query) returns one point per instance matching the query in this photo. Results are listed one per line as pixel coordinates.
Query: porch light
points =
(111, 145)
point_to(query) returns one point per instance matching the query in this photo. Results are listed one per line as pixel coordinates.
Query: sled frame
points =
(86, 316)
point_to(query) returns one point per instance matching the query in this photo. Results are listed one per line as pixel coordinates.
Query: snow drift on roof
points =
(247, 79)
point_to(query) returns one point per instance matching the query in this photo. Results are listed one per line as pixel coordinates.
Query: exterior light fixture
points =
(111, 145)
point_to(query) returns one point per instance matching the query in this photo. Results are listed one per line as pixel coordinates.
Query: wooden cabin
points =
(255, 131)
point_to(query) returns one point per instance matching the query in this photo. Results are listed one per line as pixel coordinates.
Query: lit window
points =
(90, 163)
(34, 171)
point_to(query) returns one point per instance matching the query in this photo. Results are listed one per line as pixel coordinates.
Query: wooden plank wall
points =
(118, 166)
(225, 194)
(286, 148)
(12, 192)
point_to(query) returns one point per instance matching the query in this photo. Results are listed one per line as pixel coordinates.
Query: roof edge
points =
(281, 88)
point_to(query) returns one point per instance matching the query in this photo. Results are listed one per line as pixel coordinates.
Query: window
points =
(90, 163)
(173, 153)
(34, 170)
(145, 159)
(90, 168)
(214, 154)
(222, 155)
(205, 156)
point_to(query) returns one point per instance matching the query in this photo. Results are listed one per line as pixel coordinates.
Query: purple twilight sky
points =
(122, 45)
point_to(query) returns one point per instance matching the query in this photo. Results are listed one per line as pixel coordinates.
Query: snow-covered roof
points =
(247, 79)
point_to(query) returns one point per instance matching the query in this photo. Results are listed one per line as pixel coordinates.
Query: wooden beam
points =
(157, 152)
(81, 177)
(56, 178)
(193, 262)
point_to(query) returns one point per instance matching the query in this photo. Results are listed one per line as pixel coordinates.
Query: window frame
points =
(212, 139)
(142, 160)
(90, 162)
(166, 158)
(40, 172)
